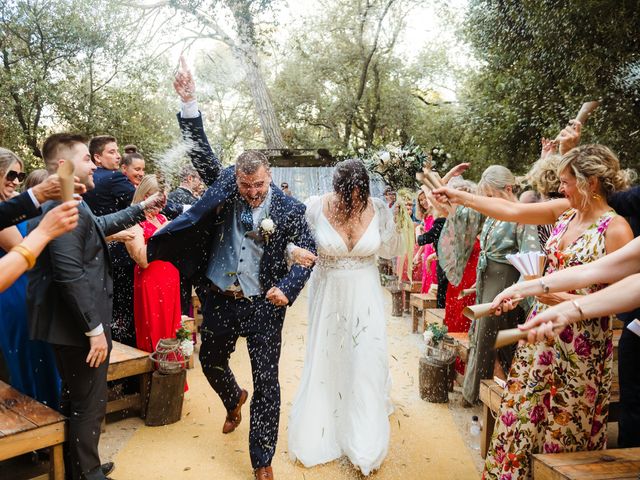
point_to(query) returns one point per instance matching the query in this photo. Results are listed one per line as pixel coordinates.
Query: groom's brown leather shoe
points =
(264, 473)
(234, 417)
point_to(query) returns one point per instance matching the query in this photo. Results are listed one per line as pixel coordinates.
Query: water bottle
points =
(474, 433)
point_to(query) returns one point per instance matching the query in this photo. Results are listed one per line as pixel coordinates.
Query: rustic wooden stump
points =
(396, 302)
(434, 380)
(166, 398)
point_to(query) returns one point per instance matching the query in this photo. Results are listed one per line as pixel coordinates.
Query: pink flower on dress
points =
(603, 226)
(567, 334)
(506, 476)
(551, 448)
(590, 393)
(546, 357)
(499, 454)
(547, 400)
(595, 428)
(582, 345)
(537, 414)
(508, 418)
(609, 347)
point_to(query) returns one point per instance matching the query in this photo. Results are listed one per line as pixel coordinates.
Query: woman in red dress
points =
(156, 285)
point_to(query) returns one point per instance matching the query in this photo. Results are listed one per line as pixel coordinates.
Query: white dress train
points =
(343, 404)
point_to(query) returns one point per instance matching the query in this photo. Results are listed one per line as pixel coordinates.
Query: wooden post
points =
(166, 398)
(488, 423)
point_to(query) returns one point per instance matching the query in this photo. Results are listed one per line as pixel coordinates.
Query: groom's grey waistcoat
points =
(237, 254)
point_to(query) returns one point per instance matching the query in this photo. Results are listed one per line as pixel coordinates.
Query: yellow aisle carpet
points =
(425, 443)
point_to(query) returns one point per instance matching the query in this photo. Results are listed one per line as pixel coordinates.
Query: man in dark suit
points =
(69, 304)
(233, 243)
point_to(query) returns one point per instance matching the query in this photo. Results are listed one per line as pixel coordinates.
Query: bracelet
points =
(545, 288)
(575, 304)
(26, 254)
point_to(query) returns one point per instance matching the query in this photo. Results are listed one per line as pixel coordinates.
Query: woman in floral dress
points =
(557, 393)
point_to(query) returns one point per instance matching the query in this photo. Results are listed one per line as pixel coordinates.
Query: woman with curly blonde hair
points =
(557, 393)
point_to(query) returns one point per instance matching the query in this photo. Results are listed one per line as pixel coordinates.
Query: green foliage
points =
(540, 61)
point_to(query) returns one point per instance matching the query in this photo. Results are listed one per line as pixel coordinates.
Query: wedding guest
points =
(390, 196)
(69, 305)
(284, 186)
(493, 274)
(529, 196)
(35, 178)
(113, 191)
(190, 182)
(544, 409)
(185, 194)
(431, 237)
(31, 364)
(424, 213)
(133, 165)
(156, 285)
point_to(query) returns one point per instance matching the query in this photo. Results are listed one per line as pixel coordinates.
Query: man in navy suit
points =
(233, 244)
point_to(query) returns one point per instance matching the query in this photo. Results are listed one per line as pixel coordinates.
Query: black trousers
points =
(226, 319)
(84, 403)
(629, 374)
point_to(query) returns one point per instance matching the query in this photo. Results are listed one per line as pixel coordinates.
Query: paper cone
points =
(65, 172)
(466, 292)
(586, 111)
(509, 336)
(474, 312)
(420, 176)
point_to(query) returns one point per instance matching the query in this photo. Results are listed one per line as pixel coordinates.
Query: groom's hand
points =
(275, 296)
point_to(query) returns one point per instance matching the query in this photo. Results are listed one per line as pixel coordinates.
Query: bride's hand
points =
(303, 257)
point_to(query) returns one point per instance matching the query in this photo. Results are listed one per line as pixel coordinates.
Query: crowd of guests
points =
(558, 386)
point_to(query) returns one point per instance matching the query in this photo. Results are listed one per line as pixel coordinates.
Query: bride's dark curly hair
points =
(351, 184)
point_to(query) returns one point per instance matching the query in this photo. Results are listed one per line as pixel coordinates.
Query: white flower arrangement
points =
(186, 346)
(267, 228)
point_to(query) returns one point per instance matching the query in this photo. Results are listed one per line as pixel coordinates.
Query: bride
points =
(342, 404)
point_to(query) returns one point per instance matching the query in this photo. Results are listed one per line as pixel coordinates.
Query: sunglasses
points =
(12, 175)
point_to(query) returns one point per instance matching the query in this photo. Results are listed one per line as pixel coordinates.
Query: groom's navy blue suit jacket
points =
(186, 241)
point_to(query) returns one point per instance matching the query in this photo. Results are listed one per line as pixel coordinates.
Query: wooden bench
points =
(433, 315)
(600, 464)
(491, 398)
(124, 362)
(27, 425)
(419, 303)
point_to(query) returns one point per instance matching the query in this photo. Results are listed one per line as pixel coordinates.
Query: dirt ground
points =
(427, 440)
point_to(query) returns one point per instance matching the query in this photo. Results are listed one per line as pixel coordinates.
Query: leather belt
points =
(236, 295)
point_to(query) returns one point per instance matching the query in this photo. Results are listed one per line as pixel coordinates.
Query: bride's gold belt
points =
(345, 263)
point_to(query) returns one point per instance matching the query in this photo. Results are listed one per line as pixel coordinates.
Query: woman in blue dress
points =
(31, 364)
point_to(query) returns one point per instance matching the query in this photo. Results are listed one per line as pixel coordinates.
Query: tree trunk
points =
(261, 98)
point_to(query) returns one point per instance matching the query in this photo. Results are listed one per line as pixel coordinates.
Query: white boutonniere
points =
(267, 228)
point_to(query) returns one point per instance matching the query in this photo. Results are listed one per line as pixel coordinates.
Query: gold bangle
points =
(26, 254)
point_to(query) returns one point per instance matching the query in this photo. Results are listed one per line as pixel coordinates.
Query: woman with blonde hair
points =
(557, 393)
(425, 213)
(156, 285)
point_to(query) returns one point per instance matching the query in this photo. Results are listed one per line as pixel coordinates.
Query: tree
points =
(242, 26)
(539, 61)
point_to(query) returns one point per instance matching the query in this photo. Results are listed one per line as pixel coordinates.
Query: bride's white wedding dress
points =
(343, 404)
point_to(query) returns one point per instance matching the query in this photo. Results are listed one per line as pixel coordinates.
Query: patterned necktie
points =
(246, 217)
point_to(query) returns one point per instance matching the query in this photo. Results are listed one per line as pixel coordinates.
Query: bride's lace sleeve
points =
(390, 238)
(314, 208)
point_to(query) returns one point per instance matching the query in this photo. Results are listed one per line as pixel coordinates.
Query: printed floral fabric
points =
(557, 394)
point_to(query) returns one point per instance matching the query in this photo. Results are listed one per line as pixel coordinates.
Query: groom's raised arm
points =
(300, 235)
(190, 120)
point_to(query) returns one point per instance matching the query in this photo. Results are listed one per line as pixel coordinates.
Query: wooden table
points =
(419, 303)
(124, 362)
(620, 463)
(27, 425)
(491, 398)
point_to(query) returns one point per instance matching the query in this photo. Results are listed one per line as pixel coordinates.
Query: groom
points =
(233, 244)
